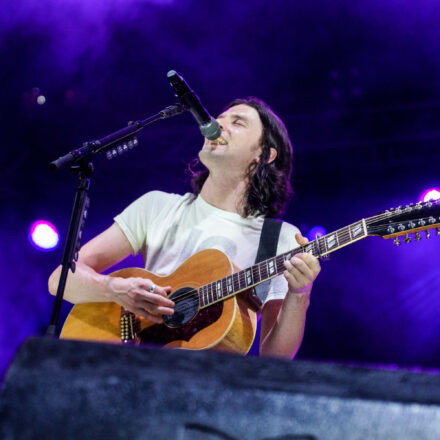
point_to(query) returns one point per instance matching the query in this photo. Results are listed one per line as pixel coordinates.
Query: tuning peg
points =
(417, 237)
(428, 234)
(397, 241)
(407, 239)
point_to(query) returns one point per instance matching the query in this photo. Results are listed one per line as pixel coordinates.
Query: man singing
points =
(246, 177)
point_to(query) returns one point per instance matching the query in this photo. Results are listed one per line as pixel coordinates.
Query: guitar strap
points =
(270, 234)
(267, 248)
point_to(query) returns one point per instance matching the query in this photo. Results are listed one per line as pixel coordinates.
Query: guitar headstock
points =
(404, 220)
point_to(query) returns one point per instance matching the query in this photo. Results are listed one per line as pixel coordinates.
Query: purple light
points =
(43, 235)
(316, 231)
(430, 194)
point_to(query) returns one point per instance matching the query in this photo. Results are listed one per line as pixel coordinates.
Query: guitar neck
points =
(265, 270)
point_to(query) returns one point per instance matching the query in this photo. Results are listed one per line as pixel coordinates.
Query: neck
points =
(224, 192)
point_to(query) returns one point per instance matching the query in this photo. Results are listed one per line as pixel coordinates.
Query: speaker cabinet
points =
(80, 390)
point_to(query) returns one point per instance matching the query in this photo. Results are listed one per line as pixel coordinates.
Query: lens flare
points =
(316, 231)
(430, 194)
(43, 235)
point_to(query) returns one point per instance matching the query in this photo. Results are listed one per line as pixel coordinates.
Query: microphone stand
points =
(80, 164)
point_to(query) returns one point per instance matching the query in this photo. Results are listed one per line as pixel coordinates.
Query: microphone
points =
(209, 127)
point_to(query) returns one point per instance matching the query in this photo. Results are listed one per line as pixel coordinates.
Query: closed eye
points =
(240, 122)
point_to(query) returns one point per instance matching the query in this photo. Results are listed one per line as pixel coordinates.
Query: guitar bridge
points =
(129, 327)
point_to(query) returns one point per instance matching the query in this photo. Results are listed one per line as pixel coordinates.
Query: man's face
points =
(241, 130)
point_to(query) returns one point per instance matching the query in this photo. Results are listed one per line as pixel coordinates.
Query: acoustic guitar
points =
(213, 298)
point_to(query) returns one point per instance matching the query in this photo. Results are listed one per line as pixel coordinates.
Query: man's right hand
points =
(136, 295)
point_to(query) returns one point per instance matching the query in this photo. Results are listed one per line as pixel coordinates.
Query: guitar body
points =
(228, 325)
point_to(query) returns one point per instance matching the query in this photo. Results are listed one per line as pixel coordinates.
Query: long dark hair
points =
(269, 183)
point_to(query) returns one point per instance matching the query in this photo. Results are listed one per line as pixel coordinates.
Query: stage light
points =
(43, 235)
(41, 99)
(430, 194)
(316, 231)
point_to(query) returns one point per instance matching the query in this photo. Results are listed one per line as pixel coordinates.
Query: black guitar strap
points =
(267, 248)
(270, 234)
(268, 239)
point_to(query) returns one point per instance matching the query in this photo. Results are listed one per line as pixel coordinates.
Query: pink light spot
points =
(316, 231)
(430, 194)
(43, 235)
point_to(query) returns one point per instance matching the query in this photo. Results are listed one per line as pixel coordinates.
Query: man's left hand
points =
(301, 270)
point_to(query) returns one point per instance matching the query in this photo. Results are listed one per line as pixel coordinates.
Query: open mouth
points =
(219, 141)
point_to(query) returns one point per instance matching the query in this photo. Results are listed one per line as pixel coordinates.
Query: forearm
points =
(286, 334)
(85, 285)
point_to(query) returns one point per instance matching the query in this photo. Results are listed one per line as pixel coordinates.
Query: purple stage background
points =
(358, 86)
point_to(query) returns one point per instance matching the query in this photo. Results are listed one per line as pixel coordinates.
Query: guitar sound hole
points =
(186, 306)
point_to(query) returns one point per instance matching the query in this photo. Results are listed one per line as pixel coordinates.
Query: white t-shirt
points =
(169, 228)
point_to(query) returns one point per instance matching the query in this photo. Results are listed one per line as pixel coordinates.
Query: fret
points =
(330, 241)
(205, 295)
(219, 290)
(235, 282)
(240, 279)
(357, 230)
(280, 265)
(212, 292)
(347, 235)
(200, 293)
(271, 266)
(229, 285)
(249, 277)
(309, 248)
(256, 273)
(338, 237)
(323, 245)
(224, 288)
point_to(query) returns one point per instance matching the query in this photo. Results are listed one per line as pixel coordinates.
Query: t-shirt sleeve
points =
(135, 220)
(277, 287)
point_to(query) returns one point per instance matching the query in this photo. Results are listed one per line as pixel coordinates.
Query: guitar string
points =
(280, 258)
(345, 238)
(340, 236)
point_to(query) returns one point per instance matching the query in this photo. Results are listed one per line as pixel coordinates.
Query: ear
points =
(273, 155)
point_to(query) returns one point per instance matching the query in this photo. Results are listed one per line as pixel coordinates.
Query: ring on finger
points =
(153, 288)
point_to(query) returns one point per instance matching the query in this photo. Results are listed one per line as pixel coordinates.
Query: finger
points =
(148, 284)
(300, 239)
(303, 267)
(156, 310)
(311, 261)
(293, 283)
(296, 275)
(153, 298)
(164, 291)
(151, 317)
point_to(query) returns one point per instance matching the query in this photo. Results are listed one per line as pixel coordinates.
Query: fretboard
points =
(265, 270)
